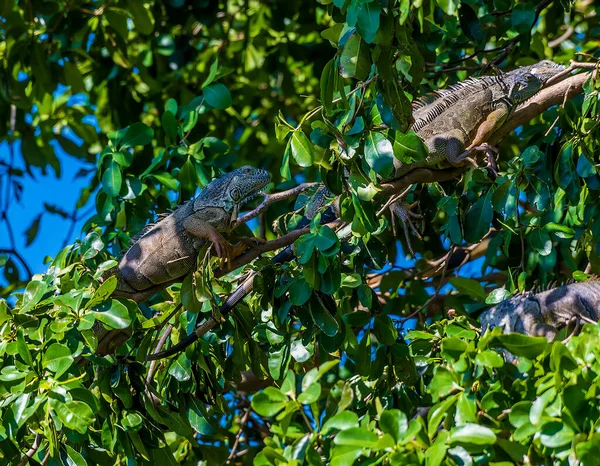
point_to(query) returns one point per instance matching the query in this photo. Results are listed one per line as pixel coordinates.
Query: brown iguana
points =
(546, 312)
(167, 250)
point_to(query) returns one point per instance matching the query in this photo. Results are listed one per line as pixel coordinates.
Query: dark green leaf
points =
(217, 96)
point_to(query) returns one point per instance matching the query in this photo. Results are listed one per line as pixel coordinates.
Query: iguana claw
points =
(405, 214)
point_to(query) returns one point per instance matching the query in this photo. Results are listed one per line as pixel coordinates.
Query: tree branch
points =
(546, 98)
(271, 199)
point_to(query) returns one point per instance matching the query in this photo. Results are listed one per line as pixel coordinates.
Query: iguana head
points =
(233, 189)
(543, 70)
(524, 86)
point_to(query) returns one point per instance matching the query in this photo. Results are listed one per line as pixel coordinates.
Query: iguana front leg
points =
(493, 121)
(201, 229)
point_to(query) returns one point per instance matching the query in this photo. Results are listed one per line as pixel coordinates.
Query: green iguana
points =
(546, 312)
(167, 250)
(456, 121)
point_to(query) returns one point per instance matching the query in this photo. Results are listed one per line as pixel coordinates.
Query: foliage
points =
(182, 92)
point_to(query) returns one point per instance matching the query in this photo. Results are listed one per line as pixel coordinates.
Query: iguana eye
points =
(235, 194)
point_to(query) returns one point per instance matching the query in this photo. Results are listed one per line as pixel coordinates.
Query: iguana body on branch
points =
(167, 250)
(453, 121)
(546, 312)
(497, 101)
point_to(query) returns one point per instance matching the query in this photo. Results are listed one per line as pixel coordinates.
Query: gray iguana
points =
(167, 250)
(546, 312)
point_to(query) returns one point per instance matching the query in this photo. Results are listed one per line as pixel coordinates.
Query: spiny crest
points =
(429, 107)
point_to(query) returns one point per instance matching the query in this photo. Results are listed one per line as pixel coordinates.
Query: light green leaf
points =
(301, 149)
(379, 154)
(57, 358)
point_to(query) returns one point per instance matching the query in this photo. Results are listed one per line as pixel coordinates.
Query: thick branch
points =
(545, 99)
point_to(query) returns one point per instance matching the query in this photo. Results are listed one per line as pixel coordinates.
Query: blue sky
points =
(62, 192)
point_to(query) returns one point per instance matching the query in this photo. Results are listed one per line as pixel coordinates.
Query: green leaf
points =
(112, 179)
(498, 295)
(408, 147)
(142, 18)
(474, 434)
(269, 402)
(300, 292)
(354, 59)
(356, 437)
(489, 358)
(123, 158)
(469, 287)
(342, 421)
(479, 217)
(523, 16)
(75, 458)
(137, 134)
(368, 19)
(540, 241)
(75, 415)
(379, 154)
(443, 383)
(32, 231)
(181, 368)
(352, 280)
(521, 345)
(395, 423)
(169, 123)
(321, 316)
(310, 394)
(217, 96)
(450, 7)
(113, 313)
(301, 149)
(384, 330)
(57, 358)
(103, 292)
(33, 294)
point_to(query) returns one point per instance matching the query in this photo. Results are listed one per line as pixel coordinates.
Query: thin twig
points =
(238, 436)
(271, 199)
(34, 448)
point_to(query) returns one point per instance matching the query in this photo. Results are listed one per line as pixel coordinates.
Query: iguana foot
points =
(460, 160)
(244, 243)
(490, 153)
(222, 247)
(405, 214)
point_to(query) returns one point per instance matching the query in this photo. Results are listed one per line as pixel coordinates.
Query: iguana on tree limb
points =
(493, 95)
(167, 250)
(545, 313)
(454, 122)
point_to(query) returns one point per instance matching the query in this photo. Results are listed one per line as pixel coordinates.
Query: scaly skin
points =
(452, 121)
(166, 251)
(545, 313)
